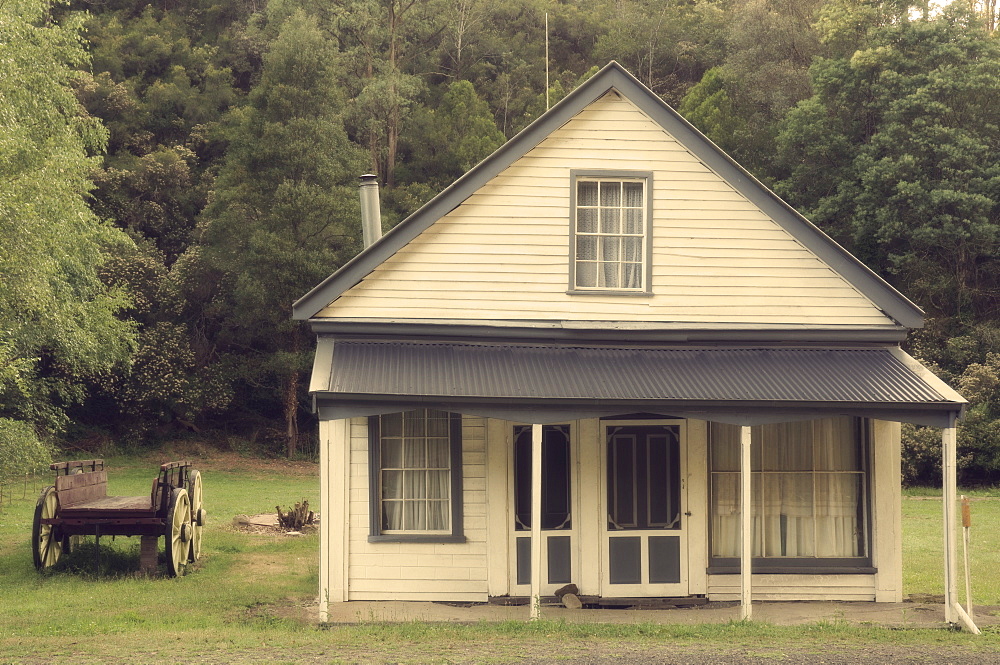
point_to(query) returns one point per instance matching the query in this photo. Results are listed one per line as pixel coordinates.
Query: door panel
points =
(644, 531)
(558, 524)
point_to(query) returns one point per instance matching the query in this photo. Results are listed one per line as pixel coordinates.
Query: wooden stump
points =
(148, 548)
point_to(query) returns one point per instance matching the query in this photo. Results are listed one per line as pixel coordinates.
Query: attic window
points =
(610, 232)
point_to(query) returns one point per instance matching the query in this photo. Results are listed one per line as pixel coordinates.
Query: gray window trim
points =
(647, 277)
(861, 565)
(375, 534)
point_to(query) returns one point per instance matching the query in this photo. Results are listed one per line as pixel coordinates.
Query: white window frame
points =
(575, 234)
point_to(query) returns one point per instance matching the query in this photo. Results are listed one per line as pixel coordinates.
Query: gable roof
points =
(614, 76)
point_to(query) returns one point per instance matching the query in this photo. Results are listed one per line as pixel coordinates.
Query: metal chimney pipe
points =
(371, 211)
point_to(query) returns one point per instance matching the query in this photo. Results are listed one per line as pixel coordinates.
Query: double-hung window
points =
(809, 495)
(610, 232)
(415, 477)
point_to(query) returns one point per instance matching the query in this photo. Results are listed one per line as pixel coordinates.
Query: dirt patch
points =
(267, 524)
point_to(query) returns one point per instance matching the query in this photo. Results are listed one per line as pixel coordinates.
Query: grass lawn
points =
(251, 597)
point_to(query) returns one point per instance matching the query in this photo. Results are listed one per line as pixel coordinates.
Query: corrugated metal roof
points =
(706, 374)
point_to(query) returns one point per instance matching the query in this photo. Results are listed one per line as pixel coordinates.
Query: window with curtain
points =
(610, 233)
(809, 486)
(413, 460)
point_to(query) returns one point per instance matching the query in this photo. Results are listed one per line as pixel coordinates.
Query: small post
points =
(746, 511)
(536, 521)
(966, 523)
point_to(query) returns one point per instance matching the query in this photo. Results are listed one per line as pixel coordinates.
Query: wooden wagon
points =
(78, 505)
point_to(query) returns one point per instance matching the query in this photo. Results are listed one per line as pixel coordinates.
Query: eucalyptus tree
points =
(59, 322)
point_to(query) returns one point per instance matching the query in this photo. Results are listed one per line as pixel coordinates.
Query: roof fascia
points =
(614, 76)
(605, 331)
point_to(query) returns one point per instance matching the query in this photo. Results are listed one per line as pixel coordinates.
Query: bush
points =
(21, 452)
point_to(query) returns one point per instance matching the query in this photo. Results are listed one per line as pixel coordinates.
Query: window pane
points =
(438, 454)
(437, 515)
(392, 515)
(586, 193)
(586, 220)
(610, 248)
(632, 249)
(414, 453)
(788, 514)
(836, 444)
(787, 446)
(633, 194)
(725, 514)
(611, 194)
(438, 484)
(610, 220)
(838, 516)
(609, 275)
(632, 275)
(725, 447)
(415, 515)
(586, 248)
(633, 221)
(391, 424)
(392, 453)
(414, 423)
(586, 274)
(392, 484)
(438, 426)
(415, 484)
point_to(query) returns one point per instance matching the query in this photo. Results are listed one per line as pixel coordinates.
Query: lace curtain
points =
(806, 489)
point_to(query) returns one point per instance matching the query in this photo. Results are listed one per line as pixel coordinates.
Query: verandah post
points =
(536, 520)
(746, 510)
(949, 443)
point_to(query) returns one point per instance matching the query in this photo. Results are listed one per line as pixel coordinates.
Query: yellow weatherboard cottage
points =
(608, 356)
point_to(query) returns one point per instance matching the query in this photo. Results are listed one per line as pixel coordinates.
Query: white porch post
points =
(536, 520)
(949, 443)
(746, 511)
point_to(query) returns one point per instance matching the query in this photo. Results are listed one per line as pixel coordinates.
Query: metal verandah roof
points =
(682, 379)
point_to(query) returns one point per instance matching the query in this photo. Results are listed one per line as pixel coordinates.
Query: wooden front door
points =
(559, 556)
(644, 544)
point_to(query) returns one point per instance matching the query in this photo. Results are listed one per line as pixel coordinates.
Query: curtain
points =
(808, 481)
(415, 456)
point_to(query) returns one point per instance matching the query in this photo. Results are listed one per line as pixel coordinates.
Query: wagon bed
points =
(77, 505)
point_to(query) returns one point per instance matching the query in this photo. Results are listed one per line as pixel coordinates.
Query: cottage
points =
(607, 355)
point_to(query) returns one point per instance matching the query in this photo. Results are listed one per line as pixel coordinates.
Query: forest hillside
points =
(174, 174)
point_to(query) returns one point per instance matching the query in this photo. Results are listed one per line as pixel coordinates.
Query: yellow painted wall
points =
(504, 253)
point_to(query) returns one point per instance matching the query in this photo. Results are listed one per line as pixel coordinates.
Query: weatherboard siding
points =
(503, 253)
(418, 571)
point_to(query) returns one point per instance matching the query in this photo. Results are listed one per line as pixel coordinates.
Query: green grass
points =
(250, 598)
(923, 548)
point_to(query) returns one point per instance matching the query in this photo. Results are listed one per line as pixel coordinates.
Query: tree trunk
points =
(292, 413)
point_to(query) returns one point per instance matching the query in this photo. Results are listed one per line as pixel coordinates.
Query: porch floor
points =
(902, 615)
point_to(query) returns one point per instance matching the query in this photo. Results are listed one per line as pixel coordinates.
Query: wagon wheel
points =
(46, 541)
(197, 515)
(178, 531)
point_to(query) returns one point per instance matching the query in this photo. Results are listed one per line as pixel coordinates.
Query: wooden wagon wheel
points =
(46, 542)
(197, 514)
(178, 531)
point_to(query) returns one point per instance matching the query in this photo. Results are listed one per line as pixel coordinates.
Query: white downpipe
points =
(536, 521)
(949, 443)
(324, 523)
(746, 511)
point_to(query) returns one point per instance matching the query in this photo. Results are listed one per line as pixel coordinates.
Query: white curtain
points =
(416, 471)
(807, 489)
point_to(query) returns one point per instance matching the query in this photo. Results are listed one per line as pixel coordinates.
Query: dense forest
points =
(174, 174)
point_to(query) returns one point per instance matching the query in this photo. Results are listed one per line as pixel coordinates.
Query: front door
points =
(559, 562)
(645, 549)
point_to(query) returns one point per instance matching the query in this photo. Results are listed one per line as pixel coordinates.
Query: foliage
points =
(58, 321)
(21, 452)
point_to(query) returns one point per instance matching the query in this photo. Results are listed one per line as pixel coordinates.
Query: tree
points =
(58, 321)
(283, 214)
(896, 154)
